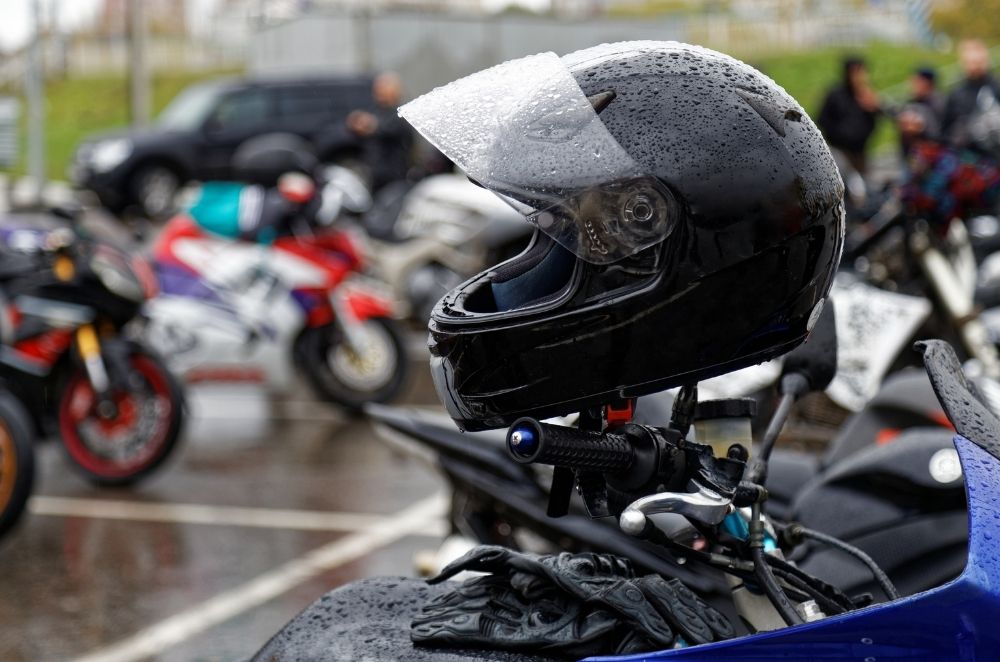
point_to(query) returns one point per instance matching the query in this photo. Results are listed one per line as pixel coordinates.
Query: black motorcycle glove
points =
(484, 612)
(645, 612)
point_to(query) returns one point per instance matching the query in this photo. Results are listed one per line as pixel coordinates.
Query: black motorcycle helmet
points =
(689, 222)
(264, 159)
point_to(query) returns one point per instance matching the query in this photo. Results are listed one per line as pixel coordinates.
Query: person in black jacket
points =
(921, 116)
(847, 118)
(388, 140)
(969, 95)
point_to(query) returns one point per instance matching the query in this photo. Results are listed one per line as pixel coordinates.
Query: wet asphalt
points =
(269, 503)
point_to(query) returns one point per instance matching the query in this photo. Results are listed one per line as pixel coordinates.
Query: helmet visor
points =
(525, 130)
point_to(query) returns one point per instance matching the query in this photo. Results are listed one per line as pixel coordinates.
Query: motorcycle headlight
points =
(108, 154)
(117, 277)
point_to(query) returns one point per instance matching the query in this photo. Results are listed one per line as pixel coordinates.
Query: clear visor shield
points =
(525, 130)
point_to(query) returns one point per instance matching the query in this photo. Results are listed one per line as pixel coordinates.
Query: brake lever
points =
(703, 505)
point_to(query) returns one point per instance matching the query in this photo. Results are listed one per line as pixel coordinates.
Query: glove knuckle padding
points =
(574, 604)
(720, 625)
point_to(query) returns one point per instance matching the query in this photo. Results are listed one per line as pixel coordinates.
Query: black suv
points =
(195, 136)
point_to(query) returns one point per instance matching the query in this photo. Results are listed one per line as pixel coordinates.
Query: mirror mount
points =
(812, 365)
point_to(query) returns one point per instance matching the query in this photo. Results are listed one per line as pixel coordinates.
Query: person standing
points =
(924, 93)
(921, 116)
(847, 117)
(975, 95)
(387, 139)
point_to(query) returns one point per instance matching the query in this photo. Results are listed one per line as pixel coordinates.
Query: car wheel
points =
(154, 188)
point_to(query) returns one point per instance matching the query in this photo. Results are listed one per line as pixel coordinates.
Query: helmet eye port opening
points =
(541, 277)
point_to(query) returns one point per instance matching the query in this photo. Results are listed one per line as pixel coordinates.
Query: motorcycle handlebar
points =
(530, 441)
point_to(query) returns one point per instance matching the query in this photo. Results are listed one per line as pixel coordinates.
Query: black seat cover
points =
(13, 265)
(369, 620)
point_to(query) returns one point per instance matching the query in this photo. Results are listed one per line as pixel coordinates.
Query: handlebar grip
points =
(529, 441)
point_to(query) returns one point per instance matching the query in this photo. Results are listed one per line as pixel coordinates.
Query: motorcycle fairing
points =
(956, 621)
(177, 280)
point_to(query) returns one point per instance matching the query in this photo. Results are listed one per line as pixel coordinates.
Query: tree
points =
(962, 19)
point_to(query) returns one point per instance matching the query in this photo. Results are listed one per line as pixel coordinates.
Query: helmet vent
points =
(774, 116)
(601, 100)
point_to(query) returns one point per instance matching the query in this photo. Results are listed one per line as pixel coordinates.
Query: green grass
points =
(807, 76)
(78, 107)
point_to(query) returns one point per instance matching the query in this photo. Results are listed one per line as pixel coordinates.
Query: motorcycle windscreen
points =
(526, 131)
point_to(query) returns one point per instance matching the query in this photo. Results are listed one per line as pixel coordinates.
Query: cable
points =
(819, 585)
(763, 572)
(728, 564)
(829, 605)
(773, 590)
(830, 599)
(883, 579)
(792, 385)
(774, 428)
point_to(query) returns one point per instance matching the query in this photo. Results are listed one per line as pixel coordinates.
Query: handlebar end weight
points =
(524, 440)
(529, 441)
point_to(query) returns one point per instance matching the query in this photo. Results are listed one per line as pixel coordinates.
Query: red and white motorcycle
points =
(258, 283)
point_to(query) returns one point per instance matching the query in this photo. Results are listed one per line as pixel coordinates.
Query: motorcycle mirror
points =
(813, 364)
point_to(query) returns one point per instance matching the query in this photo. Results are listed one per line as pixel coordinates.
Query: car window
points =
(351, 97)
(189, 109)
(241, 109)
(295, 101)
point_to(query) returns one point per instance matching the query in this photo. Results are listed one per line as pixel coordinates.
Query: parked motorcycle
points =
(287, 295)
(70, 358)
(901, 279)
(17, 459)
(495, 501)
(427, 238)
(794, 614)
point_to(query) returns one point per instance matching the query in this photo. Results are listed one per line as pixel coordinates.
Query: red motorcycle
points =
(258, 282)
(68, 354)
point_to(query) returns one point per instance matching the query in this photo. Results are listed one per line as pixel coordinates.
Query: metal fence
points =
(430, 49)
(64, 56)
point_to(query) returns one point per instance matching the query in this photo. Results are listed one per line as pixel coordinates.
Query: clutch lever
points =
(703, 505)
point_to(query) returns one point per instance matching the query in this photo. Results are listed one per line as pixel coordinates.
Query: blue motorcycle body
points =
(957, 621)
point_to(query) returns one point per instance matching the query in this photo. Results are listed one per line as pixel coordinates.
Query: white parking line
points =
(189, 513)
(270, 585)
(217, 407)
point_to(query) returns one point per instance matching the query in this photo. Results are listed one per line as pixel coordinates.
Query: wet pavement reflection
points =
(258, 486)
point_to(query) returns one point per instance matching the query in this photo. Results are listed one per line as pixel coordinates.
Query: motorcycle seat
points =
(370, 620)
(14, 265)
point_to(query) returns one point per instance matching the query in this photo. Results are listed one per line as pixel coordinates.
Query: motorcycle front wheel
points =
(17, 460)
(349, 378)
(123, 445)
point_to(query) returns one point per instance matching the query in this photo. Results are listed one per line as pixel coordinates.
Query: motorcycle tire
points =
(90, 439)
(17, 461)
(334, 371)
